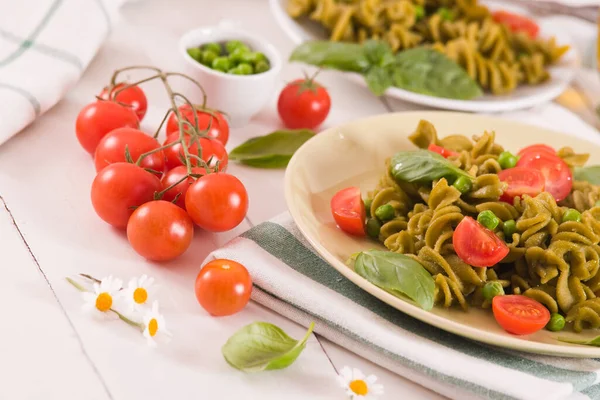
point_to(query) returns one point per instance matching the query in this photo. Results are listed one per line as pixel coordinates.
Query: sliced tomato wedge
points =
(477, 245)
(519, 314)
(557, 174)
(521, 181)
(540, 148)
(348, 211)
(516, 22)
(444, 152)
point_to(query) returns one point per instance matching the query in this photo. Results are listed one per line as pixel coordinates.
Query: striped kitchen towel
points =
(45, 45)
(291, 279)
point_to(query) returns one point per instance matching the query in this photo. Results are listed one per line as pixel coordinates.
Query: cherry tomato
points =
(349, 211)
(544, 148)
(519, 314)
(442, 151)
(160, 231)
(557, 174)
(303, 103)
(521, 181)
(119, 188)
(98, 118)
(516, 22)
(175, 175)
(477, 245)
(111, 149)
(133, 96)
(219, 128)
(212, 150)
(217, 202)
(223, 287)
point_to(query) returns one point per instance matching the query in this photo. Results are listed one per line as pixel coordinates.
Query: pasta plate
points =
(316, 172)
(522, 97)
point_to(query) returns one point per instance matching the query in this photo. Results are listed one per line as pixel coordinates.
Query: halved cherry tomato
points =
(219, 128)
(133, 96)
(349, 211)
(557, 174)
(541, 148)
(444, 152)
(521, 181)
(477, 245)
(519, 314)
(516, 22)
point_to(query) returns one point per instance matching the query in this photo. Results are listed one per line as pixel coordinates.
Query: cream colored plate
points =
(354, 154)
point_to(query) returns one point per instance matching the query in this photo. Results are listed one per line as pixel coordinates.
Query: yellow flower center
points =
(140, 295)
(359, 387)
(153, 327)
(104, 302)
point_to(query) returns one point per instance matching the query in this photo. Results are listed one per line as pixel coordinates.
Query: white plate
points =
(523, 97)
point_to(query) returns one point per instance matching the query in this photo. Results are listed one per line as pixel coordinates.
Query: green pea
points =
(253, 57)
(261, 66)
(488, 219)
(237, 55)
(368, 203)
(385, 212)
(556, 323)
(373, 228)
(235, 71)
(507, 160)
(446, 14)
(195, 53)
(214, 47)
(419, 12)
(463, 184)
(571, 215)
(234, 44)
(492, 289)
(246, 69)
(208, 56)
(221, 64)
(597, 204)
(509, 228)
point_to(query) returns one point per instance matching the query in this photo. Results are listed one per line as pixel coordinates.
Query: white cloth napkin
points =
(45, 45)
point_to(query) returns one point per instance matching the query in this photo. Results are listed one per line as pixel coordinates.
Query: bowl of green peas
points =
(237, 69)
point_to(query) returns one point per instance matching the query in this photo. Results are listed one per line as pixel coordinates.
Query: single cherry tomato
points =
(160, 231)
(176, 175)
(132, 95)
(303, 103)
(519, 314)
(111, 149)
(521, 181)
(100, 117)
(557, 174)
(540, 148)
(349, 211)
(516, 22)
(223, 287)
(212, 151)
(217, 202)
(119, 188)
(477, 245)
(442, 151)
(219, 128)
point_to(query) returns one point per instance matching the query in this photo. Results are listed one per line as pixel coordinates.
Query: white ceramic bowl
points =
(240, 96)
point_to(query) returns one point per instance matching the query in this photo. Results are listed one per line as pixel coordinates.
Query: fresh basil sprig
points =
(423, 166)
(591, 342)
(335, 55)
(590, 174)
(398, 274)
(262, 346)
(271, 151)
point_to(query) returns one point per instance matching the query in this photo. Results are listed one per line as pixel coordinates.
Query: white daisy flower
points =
(102, 298)
(138, 292)
(155, 328)
(358, 386)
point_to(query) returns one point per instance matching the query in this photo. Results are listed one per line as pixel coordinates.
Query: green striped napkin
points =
(291, 279)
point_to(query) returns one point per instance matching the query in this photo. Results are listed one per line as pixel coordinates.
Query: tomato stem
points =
(146, 154)
(192, 80)
(162, 123)
(159, 195)
(128, 85)
(113, 80)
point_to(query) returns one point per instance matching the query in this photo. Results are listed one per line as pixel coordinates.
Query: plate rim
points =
(408, 307)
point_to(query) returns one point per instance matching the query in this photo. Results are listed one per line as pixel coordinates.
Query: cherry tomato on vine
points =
(217, 202)
(521, 181)
(557, 174)
(219, 128)
(223, 287)
(519, 314)
(133, 96)
(111, 149)
(160, 231)
(477, 245)
(175, 175)
(516, 22)
(119, 188)
(442, 151)
(212, 150)
(348, 210)
(100, 117)
(303, 103)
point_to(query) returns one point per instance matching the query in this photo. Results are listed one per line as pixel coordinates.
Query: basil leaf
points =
(592, 342)
(271, 151)
(378, 79)
(337, 55)
(397, 273)
(378, 53)
(427, 71)
(590, 174)
(423, 166)
(263, 346)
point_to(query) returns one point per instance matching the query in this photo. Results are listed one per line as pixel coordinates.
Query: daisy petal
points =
(357, 374)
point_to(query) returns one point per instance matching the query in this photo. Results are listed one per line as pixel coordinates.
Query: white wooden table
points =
(49, 349)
